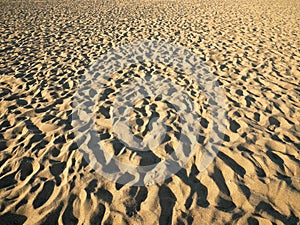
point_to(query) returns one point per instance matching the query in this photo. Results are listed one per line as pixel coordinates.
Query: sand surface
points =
(250, 47)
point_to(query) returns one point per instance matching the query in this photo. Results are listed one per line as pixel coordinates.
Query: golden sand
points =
(251, 47)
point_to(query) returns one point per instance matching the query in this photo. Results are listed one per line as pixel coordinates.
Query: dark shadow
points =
(52, 218)
(12, 219)
(267, 208)
(98, 217)
(167, 202)
(68, 216)
(44, 195)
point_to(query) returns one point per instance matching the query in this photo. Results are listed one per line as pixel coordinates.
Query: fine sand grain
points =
(252, 50)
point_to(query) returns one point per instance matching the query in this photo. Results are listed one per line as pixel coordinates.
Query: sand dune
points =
(47, 49)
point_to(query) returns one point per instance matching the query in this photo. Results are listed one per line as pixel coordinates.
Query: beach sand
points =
(250, 47)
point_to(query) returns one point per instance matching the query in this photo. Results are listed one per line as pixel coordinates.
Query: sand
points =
(250, 47)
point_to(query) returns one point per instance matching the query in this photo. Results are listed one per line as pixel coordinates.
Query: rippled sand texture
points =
(252, 48)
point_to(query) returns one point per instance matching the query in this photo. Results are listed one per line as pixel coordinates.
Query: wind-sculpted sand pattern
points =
(47, 51)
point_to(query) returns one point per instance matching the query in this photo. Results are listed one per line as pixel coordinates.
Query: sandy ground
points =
(252, 49)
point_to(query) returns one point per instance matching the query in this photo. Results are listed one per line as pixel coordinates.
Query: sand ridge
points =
(251, 47)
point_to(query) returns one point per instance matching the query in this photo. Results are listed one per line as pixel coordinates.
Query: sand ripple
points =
(252, 49)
